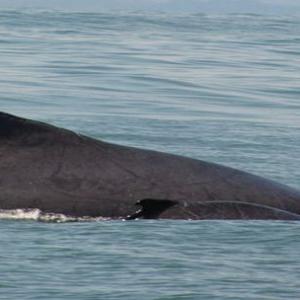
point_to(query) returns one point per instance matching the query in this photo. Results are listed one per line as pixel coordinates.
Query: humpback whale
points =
(58, 171)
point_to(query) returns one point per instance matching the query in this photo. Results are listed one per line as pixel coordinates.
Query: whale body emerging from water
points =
(58, 171)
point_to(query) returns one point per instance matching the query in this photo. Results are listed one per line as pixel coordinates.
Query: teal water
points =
(150, 260)
(220, 88)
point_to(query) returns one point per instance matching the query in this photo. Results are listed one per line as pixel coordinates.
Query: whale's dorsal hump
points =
(12, 126)
(27, 132)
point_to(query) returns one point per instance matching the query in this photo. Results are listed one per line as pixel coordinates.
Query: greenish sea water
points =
(222, 88)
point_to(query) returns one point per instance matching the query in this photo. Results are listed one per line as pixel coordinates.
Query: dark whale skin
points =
(59, 171)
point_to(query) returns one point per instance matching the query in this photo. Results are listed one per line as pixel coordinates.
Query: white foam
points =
(37, 215)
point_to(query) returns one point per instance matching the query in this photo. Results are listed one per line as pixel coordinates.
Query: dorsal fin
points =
(151, 208)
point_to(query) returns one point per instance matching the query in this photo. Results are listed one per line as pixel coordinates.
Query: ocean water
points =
(223, 88)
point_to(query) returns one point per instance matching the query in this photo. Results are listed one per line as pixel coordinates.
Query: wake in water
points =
(35, 214)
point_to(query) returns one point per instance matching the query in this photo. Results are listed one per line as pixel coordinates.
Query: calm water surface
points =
(220, 88)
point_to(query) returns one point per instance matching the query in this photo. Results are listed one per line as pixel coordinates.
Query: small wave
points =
(37, 215)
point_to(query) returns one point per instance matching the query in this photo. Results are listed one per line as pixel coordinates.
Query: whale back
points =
(57, 170)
